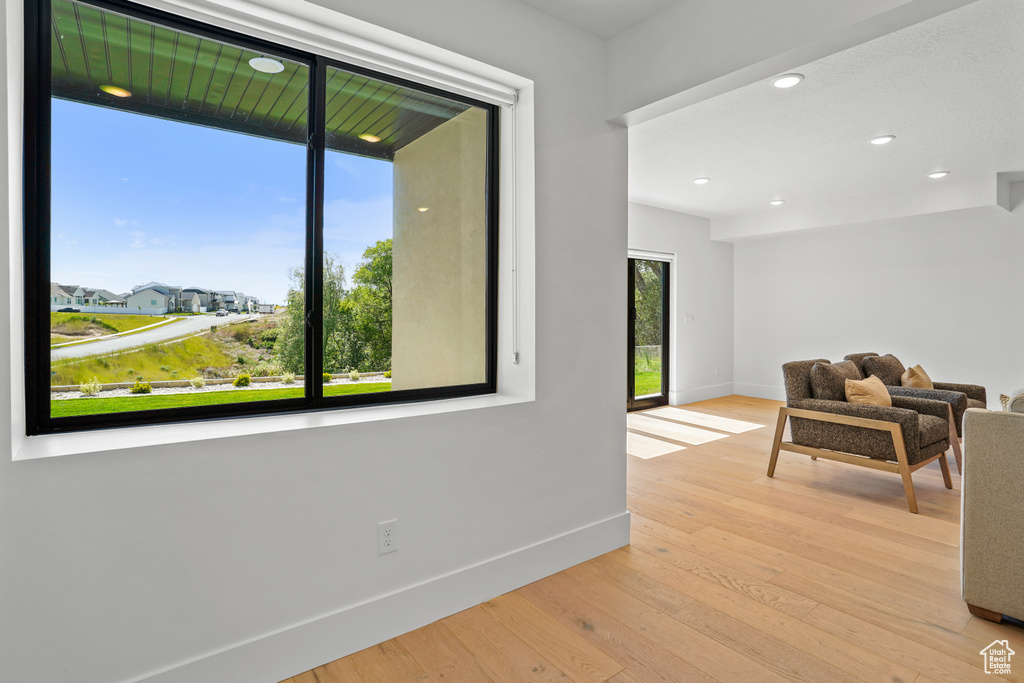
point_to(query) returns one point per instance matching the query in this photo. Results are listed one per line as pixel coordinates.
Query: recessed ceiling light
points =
(938, 174)
(883, 139)
(787, 80)
(369, 138)
(702, 180)
(777, 202)
(266, 65)
(423, 208)
(115, 91)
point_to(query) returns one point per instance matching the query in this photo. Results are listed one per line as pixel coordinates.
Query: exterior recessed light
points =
(115, 91)
(787, 80)
(423, 208)
(266, 65)
(777, 202)
(369, 138)
(883, 139)
(702, 180)
(938, 174)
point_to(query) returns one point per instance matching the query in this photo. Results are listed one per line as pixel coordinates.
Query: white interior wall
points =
(942, 291)
(252, 558)
(701, 285)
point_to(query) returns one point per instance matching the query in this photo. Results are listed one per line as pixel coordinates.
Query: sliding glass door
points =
(647, 350)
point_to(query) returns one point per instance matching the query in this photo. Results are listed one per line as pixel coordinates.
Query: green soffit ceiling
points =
(176, 75)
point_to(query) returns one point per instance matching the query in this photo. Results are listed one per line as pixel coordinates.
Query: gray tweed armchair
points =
(902, 438)
(960, 397)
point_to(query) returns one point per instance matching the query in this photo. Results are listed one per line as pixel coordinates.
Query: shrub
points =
(197, 382)
(165, 368)
(354, 375)
(387, 374)
(267, 369)
(241, 360)
(269, 337)
(327, 377)
(90, 388)
(130, 371)
(242, 380)
(141, 388)
(288, 377)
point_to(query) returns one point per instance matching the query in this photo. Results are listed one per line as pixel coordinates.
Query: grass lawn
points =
(79, 324)
(120, 404)
(647, 383)
(182, 360)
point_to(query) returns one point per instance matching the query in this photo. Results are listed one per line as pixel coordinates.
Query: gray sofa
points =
(992, 520)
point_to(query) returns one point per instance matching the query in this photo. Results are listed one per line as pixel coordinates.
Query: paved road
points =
(186, 326)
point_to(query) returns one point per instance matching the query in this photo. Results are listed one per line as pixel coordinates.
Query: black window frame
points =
(37, 244)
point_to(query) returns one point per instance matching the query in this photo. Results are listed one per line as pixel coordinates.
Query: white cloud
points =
(124, 222)
(138, 238)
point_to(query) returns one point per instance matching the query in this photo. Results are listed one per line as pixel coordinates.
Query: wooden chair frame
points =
(901, 466)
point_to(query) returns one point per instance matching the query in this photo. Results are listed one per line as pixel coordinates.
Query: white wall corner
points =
(772, 393)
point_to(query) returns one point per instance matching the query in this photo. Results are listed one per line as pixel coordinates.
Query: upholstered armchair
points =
(960, 397)
(992, 528)
(902, 438)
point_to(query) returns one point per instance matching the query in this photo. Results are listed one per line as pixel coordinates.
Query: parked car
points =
(69, 310)
(221, 313)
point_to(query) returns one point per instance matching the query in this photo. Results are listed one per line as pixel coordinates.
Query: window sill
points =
(128, 438)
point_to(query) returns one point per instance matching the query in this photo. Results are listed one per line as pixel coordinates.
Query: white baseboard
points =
(691, 395)
(774, 393)
(300, 647)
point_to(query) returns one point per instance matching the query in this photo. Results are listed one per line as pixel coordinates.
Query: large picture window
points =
(217, 226)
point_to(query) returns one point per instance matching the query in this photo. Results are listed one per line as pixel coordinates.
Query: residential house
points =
(206, 297)
(85, 299)
(218, 552)
(152, 300)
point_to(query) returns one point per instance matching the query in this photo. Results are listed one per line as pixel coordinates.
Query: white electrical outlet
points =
(387, 539)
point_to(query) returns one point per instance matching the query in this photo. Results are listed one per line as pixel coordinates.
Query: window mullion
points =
(314, 233)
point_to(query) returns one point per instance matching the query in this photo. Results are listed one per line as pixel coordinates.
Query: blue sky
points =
(137, 199)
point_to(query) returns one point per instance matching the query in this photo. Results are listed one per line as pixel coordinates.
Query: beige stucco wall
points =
(439, 266)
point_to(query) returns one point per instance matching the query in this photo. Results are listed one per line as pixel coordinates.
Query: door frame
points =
(666, 326)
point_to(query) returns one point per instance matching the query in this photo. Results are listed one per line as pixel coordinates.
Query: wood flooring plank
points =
(909, 625)
(443, 657)
(790, 629)
(306, 677)
(706, 653)
(626, 676)
(928, 660)
(762, 647)
(984, 632)
(387, 663)
(698, 546)
(671, 430)
(641, 656)
(579, 659)
(500, 650)
(339, 671)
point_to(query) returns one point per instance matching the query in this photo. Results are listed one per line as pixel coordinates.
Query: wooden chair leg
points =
(946, 479)
(904, 465)
(780, 427)
(955, 441)
(983, 613)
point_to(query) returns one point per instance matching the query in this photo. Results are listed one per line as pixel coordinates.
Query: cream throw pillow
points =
(916, 377)
(870, 390)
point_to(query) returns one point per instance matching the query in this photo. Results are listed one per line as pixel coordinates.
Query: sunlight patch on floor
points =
(672, 430)
(645, 447)
(724, 424)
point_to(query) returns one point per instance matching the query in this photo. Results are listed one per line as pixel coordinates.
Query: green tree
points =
(370, 305)
(291, 339)
(357, 322)
(648, 279)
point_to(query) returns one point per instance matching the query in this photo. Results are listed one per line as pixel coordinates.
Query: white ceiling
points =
(951, 89)
(604, 18)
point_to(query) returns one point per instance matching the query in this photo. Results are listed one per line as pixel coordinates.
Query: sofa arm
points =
(972, 390)
(992, 529)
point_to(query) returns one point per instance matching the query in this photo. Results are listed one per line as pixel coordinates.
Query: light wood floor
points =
(820, 574)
